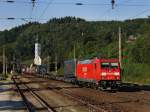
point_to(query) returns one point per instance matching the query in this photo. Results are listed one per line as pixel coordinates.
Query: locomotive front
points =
(110, 73)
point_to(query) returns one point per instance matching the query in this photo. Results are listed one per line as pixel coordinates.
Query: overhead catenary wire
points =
(33, 6)
(140, 13)
(22, 18)
(45, 9)
(78, 3)
(51, 2)
(110, 9)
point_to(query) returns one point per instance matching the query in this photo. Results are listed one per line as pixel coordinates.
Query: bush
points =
(139, 73)
(61, 71)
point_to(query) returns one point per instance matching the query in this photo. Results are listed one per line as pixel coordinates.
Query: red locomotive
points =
(103, 73)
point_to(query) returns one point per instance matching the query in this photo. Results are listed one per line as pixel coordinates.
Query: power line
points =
(73, 3)
(33, 2)
(144, 11)
(123, 3)
(33, 5)
(45, 9)
(110, 9)
(22, 18)
(136, 5)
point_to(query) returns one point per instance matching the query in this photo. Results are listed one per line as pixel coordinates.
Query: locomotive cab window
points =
(104, 65)
(114, 65)
(109, 65)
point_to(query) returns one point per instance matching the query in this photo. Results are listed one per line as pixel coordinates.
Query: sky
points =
(91, 10)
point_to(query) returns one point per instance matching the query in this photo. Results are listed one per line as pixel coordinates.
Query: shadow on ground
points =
(6, 83)
(129, 87)
(11, 105)
(6, 87)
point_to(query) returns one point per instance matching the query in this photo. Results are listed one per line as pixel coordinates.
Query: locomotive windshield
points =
(105, 65)
(109, 65)
(114, 65)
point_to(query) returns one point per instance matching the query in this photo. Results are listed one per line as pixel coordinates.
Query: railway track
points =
(67, 92)
(83, 101)
(28, 105)
(92, 105)
(119, 102)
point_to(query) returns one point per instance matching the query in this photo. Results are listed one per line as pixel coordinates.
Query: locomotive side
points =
(103, 73)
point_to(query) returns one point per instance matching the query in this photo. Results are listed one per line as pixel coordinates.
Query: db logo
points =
(84, 69)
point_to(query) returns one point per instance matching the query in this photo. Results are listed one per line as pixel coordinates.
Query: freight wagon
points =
(34, 69)
(102, 73)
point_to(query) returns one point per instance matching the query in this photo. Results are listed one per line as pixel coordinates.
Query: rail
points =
(27, 104)
(76, 98)
(35, 95)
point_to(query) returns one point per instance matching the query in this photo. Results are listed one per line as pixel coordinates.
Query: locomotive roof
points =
(97, 60)
(109, 60)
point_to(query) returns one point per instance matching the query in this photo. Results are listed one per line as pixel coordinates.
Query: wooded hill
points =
(91, 39)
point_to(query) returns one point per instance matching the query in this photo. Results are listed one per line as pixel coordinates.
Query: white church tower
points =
(37, 59)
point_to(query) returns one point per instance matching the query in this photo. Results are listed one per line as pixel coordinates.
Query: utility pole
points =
(56, 63)
(74, 52)
(120, 52)
(4, 65)
(56, 50)
(75, 59)
(14, 62)
(48, 64)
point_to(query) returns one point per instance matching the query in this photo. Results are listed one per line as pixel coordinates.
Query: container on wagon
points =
(70, 68)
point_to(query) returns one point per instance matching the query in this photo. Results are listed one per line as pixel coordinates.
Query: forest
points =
(60, 36)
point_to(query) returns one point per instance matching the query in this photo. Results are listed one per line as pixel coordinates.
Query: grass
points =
(137, 73)
(61, 71)
(5, 78)
(28, 62)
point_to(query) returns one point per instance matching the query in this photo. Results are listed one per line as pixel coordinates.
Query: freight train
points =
(101, 73)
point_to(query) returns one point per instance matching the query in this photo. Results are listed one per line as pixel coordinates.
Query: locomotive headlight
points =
(103, 74)
(116, 73)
